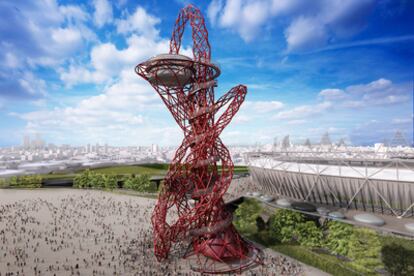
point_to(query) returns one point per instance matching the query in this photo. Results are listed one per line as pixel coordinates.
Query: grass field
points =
(150, 169)
(325, 262)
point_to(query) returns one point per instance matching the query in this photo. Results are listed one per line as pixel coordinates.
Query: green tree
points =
(140, 183)
(82, 180)
(309, 234)
(283, 223)
(246, 216)
(96, 180)
(3, 182)
(111, 182)
(131, 182)
(146, 184)
(397, 259)
(338, 237)
(26, 181)
(364, 250)
(13, 181)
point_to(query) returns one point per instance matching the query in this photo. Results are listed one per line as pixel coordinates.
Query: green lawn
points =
(241, 169)
(150, 169)
(325, 262)
(58, 176)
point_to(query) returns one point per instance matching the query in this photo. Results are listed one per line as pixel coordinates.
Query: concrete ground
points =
(89, 232)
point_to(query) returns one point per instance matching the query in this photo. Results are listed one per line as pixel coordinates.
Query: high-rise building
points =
(38, 142)
(154, 148)
(286, 142)
(26, 142)
(326, 140)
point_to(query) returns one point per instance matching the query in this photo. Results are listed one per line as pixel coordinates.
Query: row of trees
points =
(24, 181)
(92, 179)
(140, 183)
(365, 249)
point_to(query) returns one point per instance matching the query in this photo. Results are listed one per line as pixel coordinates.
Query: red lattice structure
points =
(190, 206)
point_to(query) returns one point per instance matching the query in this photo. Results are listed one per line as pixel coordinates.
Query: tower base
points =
(223, 253)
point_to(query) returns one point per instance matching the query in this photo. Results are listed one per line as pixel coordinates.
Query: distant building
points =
(307, 143)
(398, 140)
(326, 140)
(38, 142)
(342, 143)
(154, 148)
(286, 142)
(26, 142)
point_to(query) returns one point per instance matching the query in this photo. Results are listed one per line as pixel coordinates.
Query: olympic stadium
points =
(377, 180)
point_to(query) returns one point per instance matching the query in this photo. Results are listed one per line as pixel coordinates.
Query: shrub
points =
(283, 224)
(140, 183)
(397, 259)
(338, 237)
(246, 216)
(309, 235)
(323, 262)
(82, 180)
(364, 250)
(96, 180)
(111, 182)
(25, 181)
(91, 179)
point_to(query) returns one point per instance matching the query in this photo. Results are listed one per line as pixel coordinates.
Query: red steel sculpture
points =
(190, 206)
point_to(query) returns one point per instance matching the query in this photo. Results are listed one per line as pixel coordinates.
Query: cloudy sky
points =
(342, 66)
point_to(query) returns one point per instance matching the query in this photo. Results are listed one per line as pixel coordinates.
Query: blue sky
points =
(342, 66)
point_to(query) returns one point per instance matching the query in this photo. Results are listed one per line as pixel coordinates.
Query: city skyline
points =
(398, 138)
(343, 67)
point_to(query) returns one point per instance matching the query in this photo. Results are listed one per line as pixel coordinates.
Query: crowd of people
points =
(77, 232)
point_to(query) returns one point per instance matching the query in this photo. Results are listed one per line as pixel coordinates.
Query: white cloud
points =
(280, 7)
(73, 14)
(43, 33)
(312, 23)
(107, 61)
(12, 61)
(303, 111)
(332, 94)
(66, 39)
(33, 85)
(371, 87)
(256, 110)
(213, 10)
(245, 17)
(79, 74)
(103, 12)
(262, 106)
(140, 22)
(402, 121)
(128, 106)
(118, 111)
(376, 93)
(296, 122)
(304, 33)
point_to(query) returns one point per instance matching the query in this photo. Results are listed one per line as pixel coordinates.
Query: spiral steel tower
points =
(190, 205)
